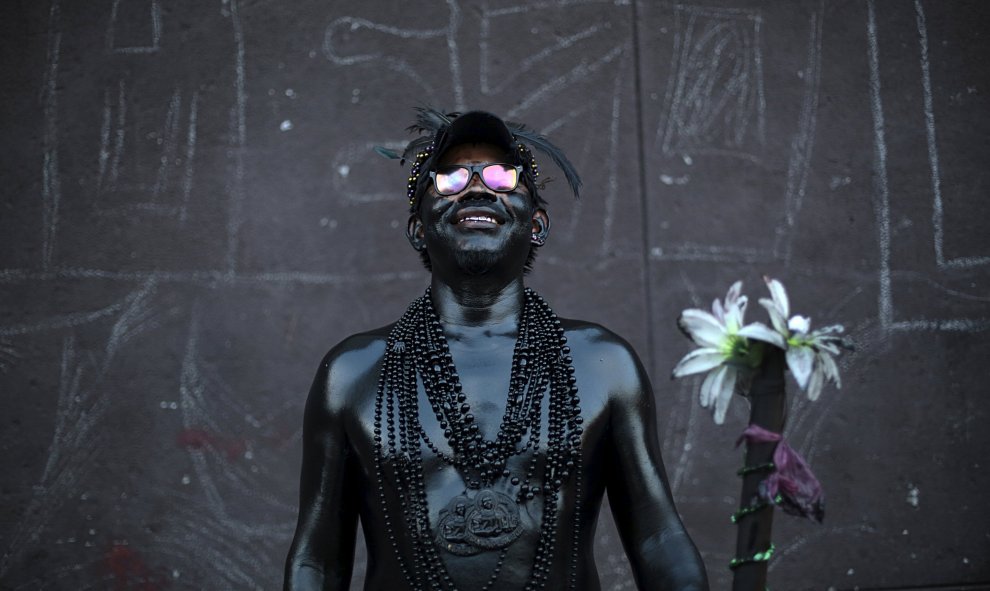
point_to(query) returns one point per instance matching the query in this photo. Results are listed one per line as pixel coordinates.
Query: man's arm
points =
(660, 551)
(322, 552)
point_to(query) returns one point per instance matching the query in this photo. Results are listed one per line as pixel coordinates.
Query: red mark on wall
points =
(130, 572)
(202, 439)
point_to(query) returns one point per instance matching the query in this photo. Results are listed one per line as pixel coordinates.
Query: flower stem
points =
(768, 404)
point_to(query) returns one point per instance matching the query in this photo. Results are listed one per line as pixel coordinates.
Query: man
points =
(476, 436)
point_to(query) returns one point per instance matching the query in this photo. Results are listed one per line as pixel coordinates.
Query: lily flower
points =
(724, 347)
(808, 352)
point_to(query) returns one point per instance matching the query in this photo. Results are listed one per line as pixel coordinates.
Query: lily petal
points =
(777, 317)
(816, 381)
(734, 314)
(708, 386)
(733, 294)
(801, 324)
(831, 329)
(698, 361)
(723, 395)
(830, 368)
(779, 295)
(718, 311)
(701, 327)
(800, 361)
(762, 332)
(826, 345)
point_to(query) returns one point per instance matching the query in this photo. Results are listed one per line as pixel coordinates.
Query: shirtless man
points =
(476, 437)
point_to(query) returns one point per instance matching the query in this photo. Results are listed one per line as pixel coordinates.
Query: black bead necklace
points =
(481, 519)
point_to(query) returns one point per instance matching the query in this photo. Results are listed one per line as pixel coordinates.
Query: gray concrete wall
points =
(192, 215)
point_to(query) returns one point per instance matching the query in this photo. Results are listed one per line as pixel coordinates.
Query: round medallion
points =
(488, 521)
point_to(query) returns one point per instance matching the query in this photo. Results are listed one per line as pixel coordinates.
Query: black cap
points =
(476, 127)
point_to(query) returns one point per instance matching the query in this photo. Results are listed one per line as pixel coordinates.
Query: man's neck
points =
(477, 303)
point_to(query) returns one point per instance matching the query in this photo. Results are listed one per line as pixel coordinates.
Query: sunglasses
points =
(452, 179)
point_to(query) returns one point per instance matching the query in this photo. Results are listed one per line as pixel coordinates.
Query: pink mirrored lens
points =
(499, 177)
(452, 181)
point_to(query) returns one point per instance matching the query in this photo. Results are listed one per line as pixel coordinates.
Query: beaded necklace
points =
(481, 518)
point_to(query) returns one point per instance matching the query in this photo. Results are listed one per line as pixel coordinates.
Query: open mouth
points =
(477, 218)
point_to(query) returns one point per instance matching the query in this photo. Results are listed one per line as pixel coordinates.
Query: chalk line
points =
(156, 31)
(51, 188)
(612, 193)
(881, 201)
(60, 321)
(235, 189)
(693, 119)
(354, 24)
(453, 56)
(578, 73)
(802, 144)
(527, 63)
(933, 162)
(170, 132)
(212, 277)
(104, 153)
(710, 253)
(119, 135)
(187, 176)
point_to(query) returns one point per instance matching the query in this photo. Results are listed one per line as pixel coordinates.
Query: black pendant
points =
(481, 519)
(488, 521)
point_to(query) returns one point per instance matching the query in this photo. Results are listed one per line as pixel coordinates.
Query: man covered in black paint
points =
(476, 437)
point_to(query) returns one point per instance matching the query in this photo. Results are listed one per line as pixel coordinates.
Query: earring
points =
(539, 239)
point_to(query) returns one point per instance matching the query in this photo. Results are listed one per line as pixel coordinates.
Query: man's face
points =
(477, 227)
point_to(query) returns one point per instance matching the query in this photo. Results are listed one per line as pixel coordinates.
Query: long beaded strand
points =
(541, 363)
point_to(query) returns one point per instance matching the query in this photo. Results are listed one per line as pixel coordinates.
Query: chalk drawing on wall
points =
(610, 64)
(164, 191)
(715, 100)
(715, 104)
(347, 30)
(881, 194)
(231, 447)
(172, 145)
(151, 8)
(941, 259)
(84, 397)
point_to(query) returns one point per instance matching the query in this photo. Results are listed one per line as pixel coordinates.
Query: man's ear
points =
(541, 226)
(416, 233)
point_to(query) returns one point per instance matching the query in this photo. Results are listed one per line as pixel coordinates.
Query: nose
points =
(477, 190)
(476, 180)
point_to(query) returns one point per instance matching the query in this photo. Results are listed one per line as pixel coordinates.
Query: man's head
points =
(473, 189)
(475, 213)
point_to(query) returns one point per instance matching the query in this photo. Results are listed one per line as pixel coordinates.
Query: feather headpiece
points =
(434, 126)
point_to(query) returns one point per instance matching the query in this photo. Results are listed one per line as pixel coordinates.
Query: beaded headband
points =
(438, 125)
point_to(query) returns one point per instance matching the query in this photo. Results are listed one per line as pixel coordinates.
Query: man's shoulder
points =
(360, 346)
(594, 345)
(595, 337)
(351, 366)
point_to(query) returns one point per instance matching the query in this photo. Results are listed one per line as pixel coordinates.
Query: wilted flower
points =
(792, 484)
(724, 347)
(809, 352)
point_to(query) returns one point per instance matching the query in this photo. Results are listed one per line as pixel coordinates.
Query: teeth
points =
(478, 218)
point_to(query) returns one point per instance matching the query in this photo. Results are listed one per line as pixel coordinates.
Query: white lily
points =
(809, 352)
(723, 347)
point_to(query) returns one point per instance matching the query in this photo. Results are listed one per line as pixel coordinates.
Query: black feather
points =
(544, 145)
(415, 146)
(429, 120)
(390, 154)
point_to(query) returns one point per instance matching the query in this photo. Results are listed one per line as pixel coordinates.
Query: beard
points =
(476, 262)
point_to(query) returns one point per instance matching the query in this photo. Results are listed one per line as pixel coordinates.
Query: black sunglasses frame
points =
(477, 169)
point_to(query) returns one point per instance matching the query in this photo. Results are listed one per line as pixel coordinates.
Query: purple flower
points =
(791, 485)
